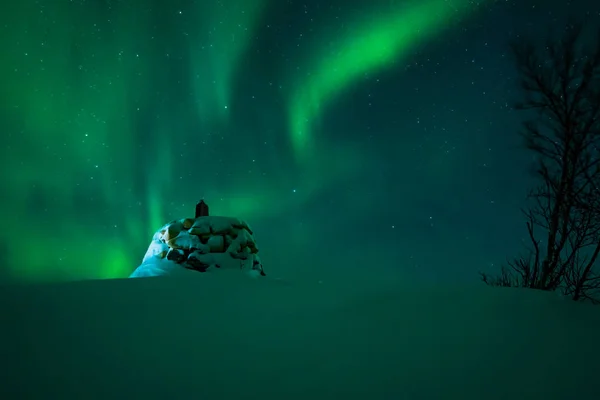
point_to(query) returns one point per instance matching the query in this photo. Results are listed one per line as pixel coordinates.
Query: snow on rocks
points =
(204, 243)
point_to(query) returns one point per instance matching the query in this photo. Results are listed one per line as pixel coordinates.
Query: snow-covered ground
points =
(226, 336)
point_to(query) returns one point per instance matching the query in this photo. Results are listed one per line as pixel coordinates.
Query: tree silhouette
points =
(560, 83)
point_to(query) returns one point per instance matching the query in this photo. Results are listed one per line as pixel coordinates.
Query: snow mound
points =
(200, 244)
(228, 337)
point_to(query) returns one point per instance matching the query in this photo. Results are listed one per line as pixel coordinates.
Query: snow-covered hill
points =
(225, 336)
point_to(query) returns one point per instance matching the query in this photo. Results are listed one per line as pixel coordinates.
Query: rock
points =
(172, 231)
(252, 247)
(203, 248)
(237, 252)
(201, 226)
(176, 255)
(204, 239)
(243, 241)
(257, 265)
(204, 242)
(195, 265)
(156, 248)
(234, 247)
(242, 225)
(184, 241)
(228, 240)
(216, 244)
(200, 262)
(158, 236)
(220, 225)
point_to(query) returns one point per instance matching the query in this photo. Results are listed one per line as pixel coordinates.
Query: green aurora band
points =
(375, 44)
(73, 125)
(215, 52)
(71, 121)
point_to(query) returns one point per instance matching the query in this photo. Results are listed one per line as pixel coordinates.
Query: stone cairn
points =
(206, 242)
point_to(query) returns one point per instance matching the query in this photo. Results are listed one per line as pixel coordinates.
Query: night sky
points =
(356, 137)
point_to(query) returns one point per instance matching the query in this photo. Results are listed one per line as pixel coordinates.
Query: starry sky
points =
(357, 138)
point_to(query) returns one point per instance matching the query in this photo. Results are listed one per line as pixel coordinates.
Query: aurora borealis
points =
(384, 39)
(350, 135)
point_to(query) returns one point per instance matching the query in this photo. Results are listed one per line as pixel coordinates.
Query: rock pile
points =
(206, 242)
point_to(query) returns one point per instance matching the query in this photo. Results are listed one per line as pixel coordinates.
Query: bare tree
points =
(561, 86)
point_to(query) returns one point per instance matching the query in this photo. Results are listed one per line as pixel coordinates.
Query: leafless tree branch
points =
(561, 83)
